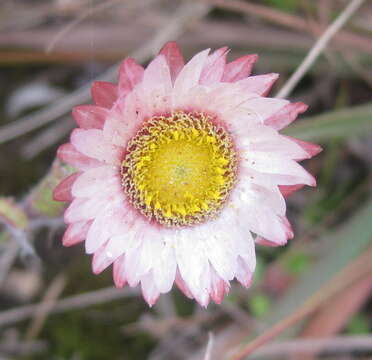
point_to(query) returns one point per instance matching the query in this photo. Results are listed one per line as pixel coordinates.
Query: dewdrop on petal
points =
(180, 171)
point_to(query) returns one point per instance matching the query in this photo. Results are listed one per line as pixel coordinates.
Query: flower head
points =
(180, 171)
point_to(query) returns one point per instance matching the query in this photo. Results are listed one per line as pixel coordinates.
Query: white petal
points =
(261, 138)
(259, 218)
(188, 77)
(164, 268)
(110, 221)
(251, 189)
(265, 107)
(244, 275)
(82, 209)
(218, 287)
(119, 273)
(286, 171)
(132, 260)
(97, 180)
(127, 235)
(192, 262)
(246, 251)
(101, 260)
(149, 289)
(221, 250)
(126, 118)
(92, 143)
(157, 86)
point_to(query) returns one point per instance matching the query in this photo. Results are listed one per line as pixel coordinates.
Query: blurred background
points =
(316, 290)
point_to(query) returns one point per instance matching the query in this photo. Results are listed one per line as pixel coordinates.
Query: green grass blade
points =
(339, 124)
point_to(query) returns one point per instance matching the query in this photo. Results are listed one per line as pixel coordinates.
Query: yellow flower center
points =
(179, 169)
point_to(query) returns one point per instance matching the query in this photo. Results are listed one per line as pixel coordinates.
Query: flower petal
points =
(182, 285)
(287, 190)
(192, 263)
(244, 274)
(258, 215)
(126, 119)
(82, 209)
(259, 84)
(253, 187)
(263, 139)
(214, 67)
(149, 289)
(189, 77)
(92, 143)
(97, 180)
(110, 220)
(130, 74)
(239, 68)
(90, 116)
(76, 233)
(156, 87)
(101, 260)
(104, 93)
(273, 241)
(119, 272)
(69, 154)
(218, 287)
(283, 170)
(284, 116)
(310, 148)
(62, 191)
(164, 268)
(265, 107)
(220, 247)
(173, 57)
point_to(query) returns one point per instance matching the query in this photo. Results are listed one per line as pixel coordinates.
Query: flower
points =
(180, 171)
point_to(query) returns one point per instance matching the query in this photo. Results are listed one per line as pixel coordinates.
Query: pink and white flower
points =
(180, 171)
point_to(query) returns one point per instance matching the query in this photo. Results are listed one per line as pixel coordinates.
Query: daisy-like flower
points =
(180, 171)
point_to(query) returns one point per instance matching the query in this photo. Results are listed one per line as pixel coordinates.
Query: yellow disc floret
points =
(179, 168)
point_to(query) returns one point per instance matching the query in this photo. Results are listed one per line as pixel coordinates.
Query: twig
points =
(52, 223)
(7, 258)
(47, 138)
(67, 304)
(46, 305)
(95, 9)
(335, 345)
(175, 343)
(189, 11)
(208, 352)
(240, 316)
(22, 348)
(355, 270)
(319, 47)
(20, 236)
(344, 38)
(34, 15)
(335, 314)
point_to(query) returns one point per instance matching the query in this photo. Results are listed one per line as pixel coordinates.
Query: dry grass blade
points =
(7, 258)
(346, 39)
(67, 304)
(336, 313)
(48, 137)
(17, 348)
(186, 12)
(41, 313)
(338, 344)
(318, 47)
(208, 352)
(354, 271)
(95, 9)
